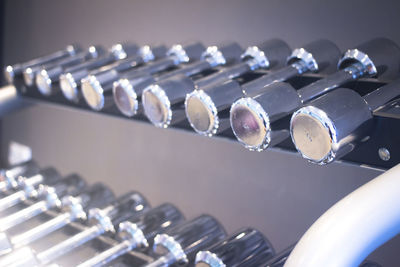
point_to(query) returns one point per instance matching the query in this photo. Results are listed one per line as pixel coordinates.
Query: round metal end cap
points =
(118, 51)
(43, 82)
(313, 134)
(98, 216)
(250, 124)
(202, 113)
(146, 53)
(208, 259)
(29, 76)
(306, 57)
(73, 205)
(130, 231)
(355, 55)
(179, 52)
(93, 93)
(157, 106)
(69, 87)
(125, 97)
(214, 56)
(9, 74)
(164, 244)
(257, 55)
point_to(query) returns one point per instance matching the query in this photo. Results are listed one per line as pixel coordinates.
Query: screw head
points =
(384, 153)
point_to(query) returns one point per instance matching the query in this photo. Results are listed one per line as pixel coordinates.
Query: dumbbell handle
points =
(23, 215)
(280, 75)
(12, 200)
(325, 85)
(110, 254)
(69, 244)
(43, 229)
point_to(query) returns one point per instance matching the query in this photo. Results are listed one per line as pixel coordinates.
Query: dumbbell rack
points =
(382, 139)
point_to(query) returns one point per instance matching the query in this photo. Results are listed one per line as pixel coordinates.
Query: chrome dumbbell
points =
(207, 109)
(163, 100)
(29, 73)
(50, 73)
(15, 71)
(51, 198)
(376, 58)
(97, 89)
(247, 247)
(138, 233)
(27, 187)
(70, 80)
(73, 208)
(180, 244)
(256, 122)
(100, 221)
(9, 177)
(127, 91)
(332, 125)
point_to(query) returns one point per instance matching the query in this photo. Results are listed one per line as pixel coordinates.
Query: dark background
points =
(276, 192)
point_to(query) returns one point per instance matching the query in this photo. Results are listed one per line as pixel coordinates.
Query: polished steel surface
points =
(302, 190)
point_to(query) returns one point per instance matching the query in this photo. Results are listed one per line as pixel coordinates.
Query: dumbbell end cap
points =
(250, 124)
(314, 135)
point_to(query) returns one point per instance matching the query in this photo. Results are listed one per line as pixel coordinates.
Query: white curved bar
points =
(354, 227)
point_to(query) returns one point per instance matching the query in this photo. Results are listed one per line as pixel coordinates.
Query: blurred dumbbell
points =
(247, 247)
(97, 88)
(163, 100)
(256, 122)
(73, 208)
(9, 177)
(138, 233)
(15, 71)
(49, 74)
(50, 197)
(29, 73)
(206, 109)
(28, 187)
(127, 91)
(70, 80)
(100, 221)
(180, 244)
(332, 125)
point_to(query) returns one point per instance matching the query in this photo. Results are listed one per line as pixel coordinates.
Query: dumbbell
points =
(206, 109)
(138, 233)
(247, 247)
(15, 71)
(50, 198)
(97, 89)
(28, 187)
(97, 83)
(332, 125)
(29, 73)
(163, 100)
(127, 91)
(100, 221)
(9, 177)
(180, 244)
(73, 208)
(256, 121)
(70, 80)
(50, 73)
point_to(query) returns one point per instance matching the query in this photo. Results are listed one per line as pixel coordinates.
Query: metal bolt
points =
(384, 153)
